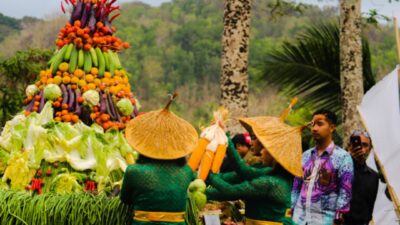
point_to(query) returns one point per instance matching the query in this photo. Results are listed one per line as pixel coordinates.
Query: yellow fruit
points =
(79, 73)
(57, 80)
(65, 74)
(66, 80)
(63, 66)
(125, 80)
(81, 83)
(105, 80)
(91, 86)
(107, 74)
(43, 80)
(43, 73)
(117, 73)
(113, 90)
(94, 71)
(50, 81)
(74, 80)
(117, 80)
(89, 78)
(97, 82)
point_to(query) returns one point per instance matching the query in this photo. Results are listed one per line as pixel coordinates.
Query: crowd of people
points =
(324, 185)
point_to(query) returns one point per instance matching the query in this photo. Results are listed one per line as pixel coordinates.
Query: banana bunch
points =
(78, 58)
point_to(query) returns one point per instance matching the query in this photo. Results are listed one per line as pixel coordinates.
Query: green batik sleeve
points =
(266, 186)
(245, 171)
(230, 177)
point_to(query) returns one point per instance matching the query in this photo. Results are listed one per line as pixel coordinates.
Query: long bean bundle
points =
(23, 208)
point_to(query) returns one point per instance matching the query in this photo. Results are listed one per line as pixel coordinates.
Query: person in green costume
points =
(156, 186)
(266, 190)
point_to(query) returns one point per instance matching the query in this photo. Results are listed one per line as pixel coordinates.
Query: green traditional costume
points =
(156, 186)
(266, 190)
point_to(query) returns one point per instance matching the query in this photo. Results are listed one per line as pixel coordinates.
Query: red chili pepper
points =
(62, 7)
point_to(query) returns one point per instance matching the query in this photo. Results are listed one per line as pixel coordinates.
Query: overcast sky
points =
(43, 8)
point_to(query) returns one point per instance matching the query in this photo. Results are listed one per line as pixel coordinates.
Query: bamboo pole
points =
(396, 31)
(392, 192)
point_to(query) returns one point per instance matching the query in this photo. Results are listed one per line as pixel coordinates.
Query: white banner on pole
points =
(380, 111)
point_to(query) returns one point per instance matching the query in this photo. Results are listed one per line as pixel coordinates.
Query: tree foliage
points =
(16, 73)
(310, 66)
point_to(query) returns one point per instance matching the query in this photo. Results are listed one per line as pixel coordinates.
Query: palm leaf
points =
(310, 66)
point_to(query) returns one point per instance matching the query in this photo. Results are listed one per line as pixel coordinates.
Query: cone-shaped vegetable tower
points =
(85, 79)
(70, 138)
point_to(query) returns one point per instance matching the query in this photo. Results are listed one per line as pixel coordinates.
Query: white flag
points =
(380, 111)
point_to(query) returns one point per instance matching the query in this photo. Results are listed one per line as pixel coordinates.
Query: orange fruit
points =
(89, 78)
(91, 86)
(63, 67)
(66, 80)
(97, 82)
(50, 81)
(94, 71)
(57, 79)
(81, 83)
(79, 73)
(107, 74)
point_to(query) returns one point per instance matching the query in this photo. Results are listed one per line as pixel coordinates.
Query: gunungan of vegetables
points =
(85, 79)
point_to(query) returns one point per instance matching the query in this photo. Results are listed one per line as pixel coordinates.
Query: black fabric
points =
(365, 188)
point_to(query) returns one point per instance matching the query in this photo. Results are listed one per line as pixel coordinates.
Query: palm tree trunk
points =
(234, 77)
(351, 78)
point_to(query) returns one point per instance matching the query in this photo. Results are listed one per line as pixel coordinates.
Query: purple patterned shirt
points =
(325, 189)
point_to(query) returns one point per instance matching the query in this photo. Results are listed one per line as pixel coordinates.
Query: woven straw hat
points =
(282, 141)
(161, 134)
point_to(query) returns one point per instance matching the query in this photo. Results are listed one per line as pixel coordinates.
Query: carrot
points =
(218, 158)
(197, 153)
(206, 164)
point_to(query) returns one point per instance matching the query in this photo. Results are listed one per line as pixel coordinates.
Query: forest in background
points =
(177, 46)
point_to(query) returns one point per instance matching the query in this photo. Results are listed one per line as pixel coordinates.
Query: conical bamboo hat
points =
(161, 135)
(282, 141)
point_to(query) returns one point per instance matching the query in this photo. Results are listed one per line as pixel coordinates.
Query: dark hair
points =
(143, 160)
(331, 116)
(240, 139)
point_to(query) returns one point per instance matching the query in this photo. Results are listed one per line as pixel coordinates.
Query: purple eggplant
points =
(111, 104)
(92, 20)
(30, 105)
(108, 108)
(42, 100)
(118, 115)
(78, 109)
(71, 99)
(135, 111)
(64, 94)
(102, 103)
(86, 14)
(77, 12)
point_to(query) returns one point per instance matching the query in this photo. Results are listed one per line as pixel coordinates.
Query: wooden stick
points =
(392, 193)
(396, 31)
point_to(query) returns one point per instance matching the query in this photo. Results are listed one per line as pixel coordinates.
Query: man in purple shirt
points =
(323, 194)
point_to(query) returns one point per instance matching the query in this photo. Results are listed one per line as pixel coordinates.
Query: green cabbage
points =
(31, 90)
(91, 98)
(52, 92)
(125, 106)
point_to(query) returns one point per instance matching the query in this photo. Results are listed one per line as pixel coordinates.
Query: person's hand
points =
(357, 154)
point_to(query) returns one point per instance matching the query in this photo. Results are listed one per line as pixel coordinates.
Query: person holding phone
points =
(365, 182)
